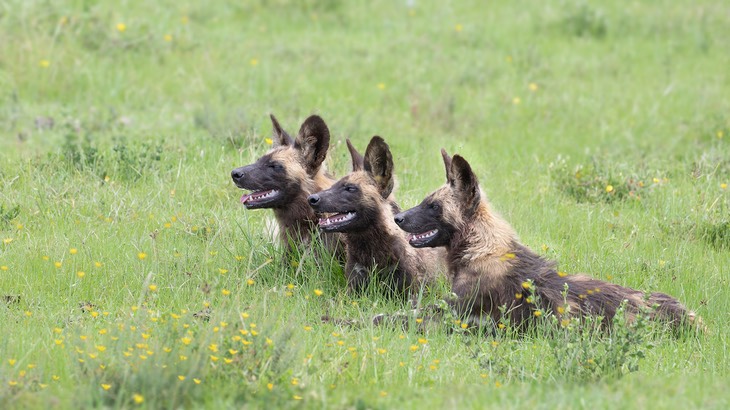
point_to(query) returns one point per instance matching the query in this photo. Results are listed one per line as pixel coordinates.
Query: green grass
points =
(120, 143)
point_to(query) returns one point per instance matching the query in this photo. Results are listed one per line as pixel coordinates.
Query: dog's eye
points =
(276, 166)
(350, 188)
(434, 206)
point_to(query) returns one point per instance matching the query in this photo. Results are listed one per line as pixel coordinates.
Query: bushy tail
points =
(673, 312)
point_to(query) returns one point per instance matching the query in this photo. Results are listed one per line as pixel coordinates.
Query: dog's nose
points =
(313, 199)
(237, 173)
(399, 219)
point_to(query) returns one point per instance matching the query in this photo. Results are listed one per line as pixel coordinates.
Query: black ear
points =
(313, 141)
(379, 164)
(464, 182)
(447, 164)
(280, 136)
(358, 162)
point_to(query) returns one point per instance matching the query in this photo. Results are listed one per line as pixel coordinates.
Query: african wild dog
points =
(284, 177)
(489, 268)
(363, 210)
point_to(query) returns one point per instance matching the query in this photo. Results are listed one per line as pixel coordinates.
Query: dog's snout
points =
(399, 219)
(313, 199)
(237, 173)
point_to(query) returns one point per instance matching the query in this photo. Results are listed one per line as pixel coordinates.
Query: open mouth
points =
(421, 239)
(259, 198)
(337, 221)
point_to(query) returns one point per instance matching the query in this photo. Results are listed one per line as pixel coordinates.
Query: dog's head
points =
(435, 220)
(288, 169)
(357, 199)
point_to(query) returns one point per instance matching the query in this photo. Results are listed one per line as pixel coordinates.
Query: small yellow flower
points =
(44, 63)
(723, 186)
(12, 362)
(168, 38)
(225, 292)
(213, 347)
(181, 377)
(507, 256)
(458, 28)
(3, 267)
(382, 351)
(537, 313)
(121, 27)
(106, 386)
(101, 348)
(73, 251)
(532, 87)
(186, 340)
(184, 20)
(250, 282)
(318, 292)
(297, 397)
(55, 378)
(414, 348)
(80, 274)
(197, 381)
(7, 241)
(222, 271)
(268, 141)
(518, 295)
(141, 255)
(561, 310)
(138, 398)
(526, 285)
(562, 274)
(464, 325)
(419, 320)
(381, 86)
(422, 340)
(609, 188)
(307, 328)
(97, 264)
(501, 325)
(383, 393)
(270, 386)
(294, 381)
(254, 62)
(516, 101)
(153, 288)
(213, 358)
(720, 134)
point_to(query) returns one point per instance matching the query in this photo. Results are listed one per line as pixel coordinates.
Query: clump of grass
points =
(595, 182)
(585, 21)
(585, 351)
(716, 234)
(126, 161)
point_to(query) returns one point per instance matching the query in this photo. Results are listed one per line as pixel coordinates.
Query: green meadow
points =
(131, 276)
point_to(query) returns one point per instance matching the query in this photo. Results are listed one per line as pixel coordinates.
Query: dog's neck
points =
(484, 236)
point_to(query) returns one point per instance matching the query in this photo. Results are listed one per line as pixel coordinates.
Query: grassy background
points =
(120, 123)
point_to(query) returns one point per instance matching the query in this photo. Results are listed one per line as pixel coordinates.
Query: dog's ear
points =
(447, 164)
(313, 141)
(464, 182)
(379, 164)
(358, 162)
(280, 136)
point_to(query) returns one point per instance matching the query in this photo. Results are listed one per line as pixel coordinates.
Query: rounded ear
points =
(447, 164)
(464, 182)
(280, 136)
(378, 162)
(313, 141)
(358, 162)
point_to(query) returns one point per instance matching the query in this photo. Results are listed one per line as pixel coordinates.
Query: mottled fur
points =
(489, 268)
(374, 243)
(293, 167)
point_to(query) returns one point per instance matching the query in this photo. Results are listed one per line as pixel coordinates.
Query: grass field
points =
(130, 275)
